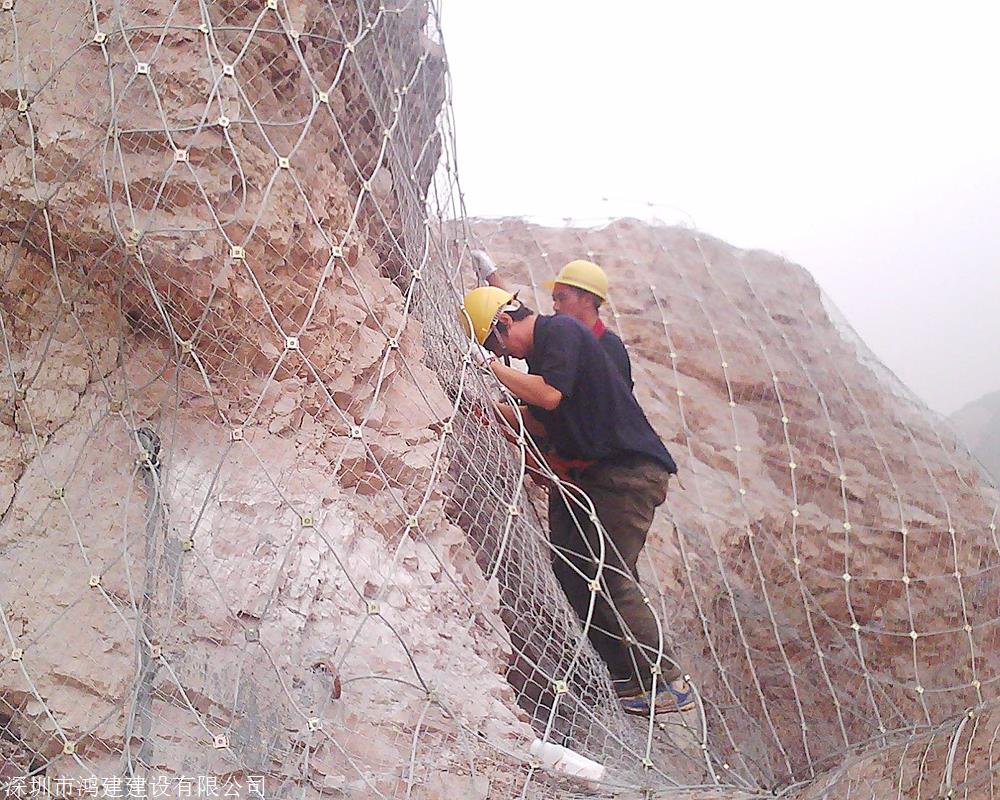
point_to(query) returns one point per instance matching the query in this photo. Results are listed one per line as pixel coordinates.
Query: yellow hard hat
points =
(584, 275)
(480, 310)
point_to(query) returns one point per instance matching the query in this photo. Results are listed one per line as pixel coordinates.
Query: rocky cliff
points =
(252, 527)
(216, 421)
(828, 566)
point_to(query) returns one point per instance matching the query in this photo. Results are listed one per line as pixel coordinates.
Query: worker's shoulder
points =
(613, 337)
(613, 342)
(563, 325)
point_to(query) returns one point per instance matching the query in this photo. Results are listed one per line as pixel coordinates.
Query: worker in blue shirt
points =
(579, 291)
(575, 396)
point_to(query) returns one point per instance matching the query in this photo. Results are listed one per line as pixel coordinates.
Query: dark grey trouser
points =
(625, 494)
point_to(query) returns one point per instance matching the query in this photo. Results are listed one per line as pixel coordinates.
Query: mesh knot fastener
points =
(149, 442)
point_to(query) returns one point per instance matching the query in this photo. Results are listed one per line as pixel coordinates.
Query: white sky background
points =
(861, 140)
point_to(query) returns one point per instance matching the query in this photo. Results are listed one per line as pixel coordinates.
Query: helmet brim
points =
(576, 285)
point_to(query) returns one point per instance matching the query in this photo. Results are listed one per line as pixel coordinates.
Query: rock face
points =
(225, 547)
(828, 568)
(978, 423)
(254, 529)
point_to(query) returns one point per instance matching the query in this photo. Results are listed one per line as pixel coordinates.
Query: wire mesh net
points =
(261, 534)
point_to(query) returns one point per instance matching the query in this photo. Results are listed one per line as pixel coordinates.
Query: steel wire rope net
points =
(260, 534)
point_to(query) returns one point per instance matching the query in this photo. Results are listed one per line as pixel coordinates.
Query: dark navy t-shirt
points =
(615, 348)
(598, 417)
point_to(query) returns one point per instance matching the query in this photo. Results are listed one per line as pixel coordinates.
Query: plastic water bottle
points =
(569, 762)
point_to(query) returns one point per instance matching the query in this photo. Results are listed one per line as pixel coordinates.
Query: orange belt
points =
(567, 468)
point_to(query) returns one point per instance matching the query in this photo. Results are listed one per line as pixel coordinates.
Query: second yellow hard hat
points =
(584, 275)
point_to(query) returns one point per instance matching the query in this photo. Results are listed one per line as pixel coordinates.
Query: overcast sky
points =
(861, 140)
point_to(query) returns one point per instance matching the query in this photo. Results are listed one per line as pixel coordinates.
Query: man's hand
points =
(482, 358)
(483, 264)
(530, 389)
(510, 416)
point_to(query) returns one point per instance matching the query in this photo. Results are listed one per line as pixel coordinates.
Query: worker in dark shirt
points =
(578, 291)
(575, 396)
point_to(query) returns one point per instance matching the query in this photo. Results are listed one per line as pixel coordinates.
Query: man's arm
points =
(531, 424)
(532, 389)
(486, 270)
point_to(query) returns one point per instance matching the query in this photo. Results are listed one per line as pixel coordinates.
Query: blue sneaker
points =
(669, 698)
(626, 687)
